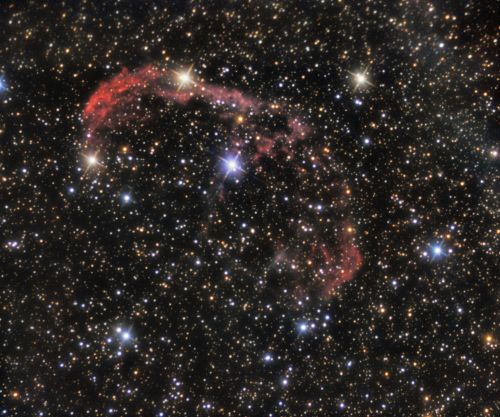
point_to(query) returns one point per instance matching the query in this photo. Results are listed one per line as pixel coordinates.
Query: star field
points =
(249, 208)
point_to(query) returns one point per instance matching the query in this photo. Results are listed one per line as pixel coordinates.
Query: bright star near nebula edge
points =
(249, 208)
(232, 165)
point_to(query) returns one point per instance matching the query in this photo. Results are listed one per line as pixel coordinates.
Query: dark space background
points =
(123, 293)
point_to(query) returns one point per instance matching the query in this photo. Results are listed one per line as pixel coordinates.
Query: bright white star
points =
(184, 78)
(92, 160)
(360, 79)
(231, 165)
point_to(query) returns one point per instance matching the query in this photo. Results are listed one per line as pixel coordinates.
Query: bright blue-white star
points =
(231, 165)
(124, 335)
(437, 250)
(302, 327)
(126, 198)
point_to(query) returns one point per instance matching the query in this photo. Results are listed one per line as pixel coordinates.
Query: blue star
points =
(125, 335)
(231, 165)
(302, 327)
(3, 85)
(437, 250)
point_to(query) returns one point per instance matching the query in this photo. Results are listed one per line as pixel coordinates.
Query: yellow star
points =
(360, 79)
(184, 78)
(91, 161)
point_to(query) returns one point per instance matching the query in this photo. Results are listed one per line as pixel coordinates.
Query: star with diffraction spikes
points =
(184, 78)
(361, 79)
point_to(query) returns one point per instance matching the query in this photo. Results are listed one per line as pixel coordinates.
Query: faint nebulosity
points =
(249, 208)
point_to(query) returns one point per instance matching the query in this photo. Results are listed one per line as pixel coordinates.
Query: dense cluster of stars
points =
(254, 208)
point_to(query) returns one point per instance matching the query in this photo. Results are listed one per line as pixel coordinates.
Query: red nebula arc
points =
(122, 89)
(341, 265)
(113, 97)
(127, 87)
